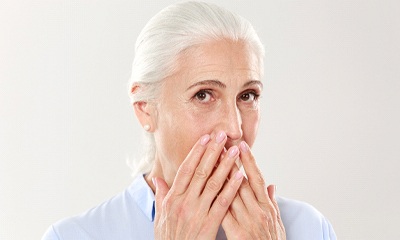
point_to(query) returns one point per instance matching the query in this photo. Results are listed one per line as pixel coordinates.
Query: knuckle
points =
(241, 235)
(257, 179)
(264, 202)
(167, 204)
(268, 216)
(245, 184)
(260, 179)
(185, 169)
(263, 217)
(273, 212)
(222, 201)
(181, 212)
(201, 173)
(176, 209)
(252, 159)
(213, 185)
(197, 151)
(214, 148)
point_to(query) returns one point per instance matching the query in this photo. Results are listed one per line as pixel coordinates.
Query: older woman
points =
(195, 88)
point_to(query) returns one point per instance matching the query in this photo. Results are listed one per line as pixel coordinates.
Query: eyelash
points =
(203, 91)
(255, 94)
(210, 92)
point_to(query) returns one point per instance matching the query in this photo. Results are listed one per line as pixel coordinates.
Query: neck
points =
(160, 170)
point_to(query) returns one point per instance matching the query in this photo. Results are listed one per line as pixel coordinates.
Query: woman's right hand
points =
(196, 203)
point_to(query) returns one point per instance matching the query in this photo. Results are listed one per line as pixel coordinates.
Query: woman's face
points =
(216, 87)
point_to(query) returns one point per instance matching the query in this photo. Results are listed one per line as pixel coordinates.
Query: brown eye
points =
(248, 97)
(203, 96)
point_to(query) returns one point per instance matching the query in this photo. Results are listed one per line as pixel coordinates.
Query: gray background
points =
(331, 108)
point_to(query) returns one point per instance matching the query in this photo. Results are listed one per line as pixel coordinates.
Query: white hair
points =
(170, 32)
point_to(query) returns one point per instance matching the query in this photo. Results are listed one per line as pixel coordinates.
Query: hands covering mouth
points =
(209, 190)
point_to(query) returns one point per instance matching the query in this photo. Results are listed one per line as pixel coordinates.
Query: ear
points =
(145, 112)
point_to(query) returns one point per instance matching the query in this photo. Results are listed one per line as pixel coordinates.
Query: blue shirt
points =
(130, 215)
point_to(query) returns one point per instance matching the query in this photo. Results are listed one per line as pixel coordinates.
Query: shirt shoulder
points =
(125, 216)
(304, 222)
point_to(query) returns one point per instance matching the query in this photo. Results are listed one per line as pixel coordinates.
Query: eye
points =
(203, 96)
(249, 97)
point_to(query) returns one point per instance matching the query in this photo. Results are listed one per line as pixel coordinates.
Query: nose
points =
(231, 122)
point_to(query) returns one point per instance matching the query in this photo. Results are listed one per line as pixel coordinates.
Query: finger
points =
(272, 193)
(230, 223)
(244, 190)
(223, 153)
(245, 201)
(238, 209)
(235, 168)
(224, 199)
(207, 163)
(161, 191)
(218, 177)
(186, 170)
(275, 224)
(254, 175)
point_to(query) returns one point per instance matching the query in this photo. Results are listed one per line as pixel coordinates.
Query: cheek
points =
(179, 131)
(250, 123)
(203, 121)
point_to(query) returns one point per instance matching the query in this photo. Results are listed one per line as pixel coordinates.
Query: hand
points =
(254, 213)
(198, 200)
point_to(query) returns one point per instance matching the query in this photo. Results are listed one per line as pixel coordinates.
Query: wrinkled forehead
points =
(220, 56)
(231, 64)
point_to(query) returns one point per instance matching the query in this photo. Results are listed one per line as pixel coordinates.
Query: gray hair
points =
(169, 33)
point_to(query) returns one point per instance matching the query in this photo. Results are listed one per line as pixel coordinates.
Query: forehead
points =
(223, 59)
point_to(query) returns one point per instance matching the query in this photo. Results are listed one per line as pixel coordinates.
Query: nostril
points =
(235, 134)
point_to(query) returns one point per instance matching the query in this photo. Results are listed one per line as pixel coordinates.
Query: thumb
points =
(161, 191)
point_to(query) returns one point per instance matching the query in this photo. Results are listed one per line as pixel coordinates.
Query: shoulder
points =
(120, 217)
(303, 221)
(91, 224)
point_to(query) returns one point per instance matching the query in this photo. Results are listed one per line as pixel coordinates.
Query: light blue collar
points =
(142, 194)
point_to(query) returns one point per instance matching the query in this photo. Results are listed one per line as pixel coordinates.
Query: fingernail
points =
(238, 175)
(204, 140)
(233, 151)
(220, 137)
(154, 182)
(244, 147)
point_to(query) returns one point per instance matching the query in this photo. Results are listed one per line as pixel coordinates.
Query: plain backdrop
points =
(330, 111)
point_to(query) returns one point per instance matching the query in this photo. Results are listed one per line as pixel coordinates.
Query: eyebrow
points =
(222, 85)
(254, 82)
(208, 82)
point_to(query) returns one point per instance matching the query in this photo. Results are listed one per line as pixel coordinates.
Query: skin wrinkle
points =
(211, 82)
(233, 65)
(232, 112)
(216, 82)
(206, 83)
(213, 91)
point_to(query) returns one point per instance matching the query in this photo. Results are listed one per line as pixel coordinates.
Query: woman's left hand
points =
(254, 213)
